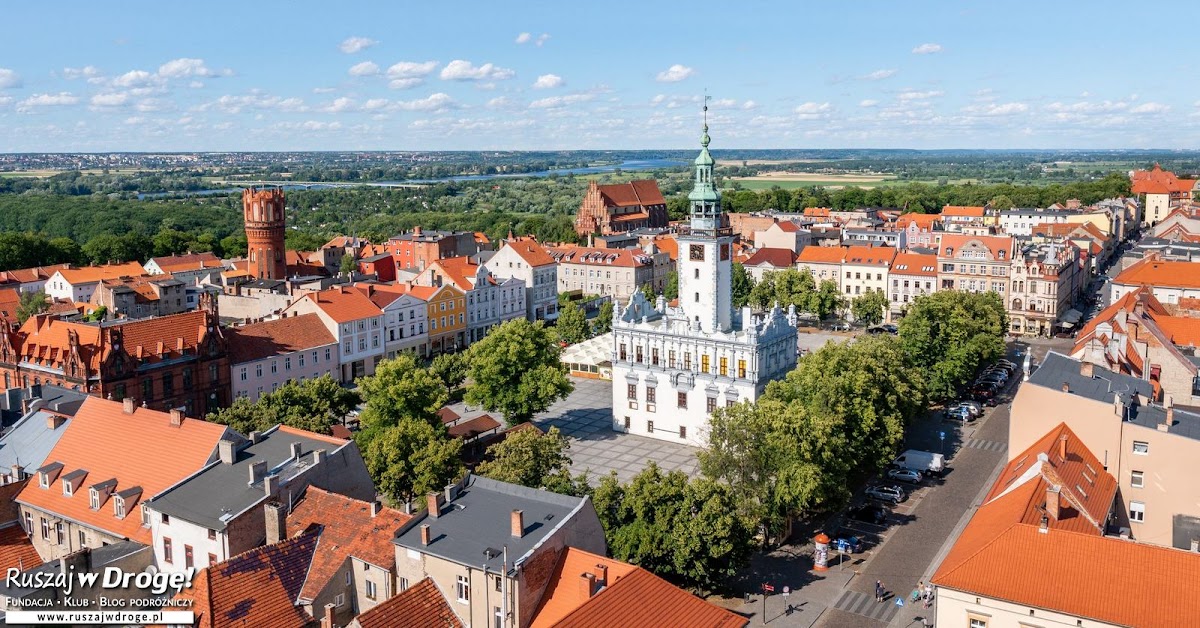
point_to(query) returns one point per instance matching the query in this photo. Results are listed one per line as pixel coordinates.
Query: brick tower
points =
(263, 211)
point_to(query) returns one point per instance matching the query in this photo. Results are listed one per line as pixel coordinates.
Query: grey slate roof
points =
(28, 442)
(1058, 369)
(220, 489)
(1183, 423)
(479, 518)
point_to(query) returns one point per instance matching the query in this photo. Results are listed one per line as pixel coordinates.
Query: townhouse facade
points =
(420, 247)
(264, 356)
(446, 311)
(140, 297)
(356, 323)
(823, 263)
(1045, 281)
(865, 269)
(1021, 222)
(769, 260)
(78, 284)
(920, 230)
(784, 234)
(525, 259)
(912, 275)
(405, 319)
(1169, 281)
(616, 273)
(975, 263)
(490, 301)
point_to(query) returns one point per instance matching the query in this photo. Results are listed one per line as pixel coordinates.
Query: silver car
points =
(885, 493)
(911, 476)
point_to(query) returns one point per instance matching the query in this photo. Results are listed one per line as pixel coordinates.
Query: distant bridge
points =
(316, 184)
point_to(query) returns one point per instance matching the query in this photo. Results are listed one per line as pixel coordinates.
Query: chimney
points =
(327, 619)
(587, 585)
(1062, 447)
(518, 523)
(602, 575)
(257, 471)
(255, 437)
(276, 522)
(1168, 420)
(128, 405)
(270, 485)
(431, 504)
(297, 450)
(425, 534)
(176, 417)
(16, 473)
(1118, 407)
(375, 508)
(53, 421)
(1052, 501)
(318, 456)
(1044, 526)
(226, 451)
(1066, 387)
(451, 492)
(1086, 369)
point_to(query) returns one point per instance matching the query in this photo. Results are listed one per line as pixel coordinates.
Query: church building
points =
(674, 365)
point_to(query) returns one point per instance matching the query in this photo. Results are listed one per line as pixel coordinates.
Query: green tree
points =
(868, 308)
(63, 250)
(647, 291)
(450, 369)
(603, 323)
(245, 416)
(97, 314)
(572, 324)
(530, 458)
(411, 458)
(31, 303)
(349, 265)
(1002, 202)
(743, 285)
(947, 335)
(515, 370)
(400, 389)
(671, 290)
(170, 242)
(785, 287)
(827, 300)
(314, 405)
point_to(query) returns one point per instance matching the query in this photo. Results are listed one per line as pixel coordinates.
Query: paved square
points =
(586, 418)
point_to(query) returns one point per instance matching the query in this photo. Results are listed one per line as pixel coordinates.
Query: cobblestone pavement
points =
(585, 417)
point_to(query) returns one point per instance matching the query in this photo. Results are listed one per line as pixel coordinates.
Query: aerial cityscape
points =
(632, 316)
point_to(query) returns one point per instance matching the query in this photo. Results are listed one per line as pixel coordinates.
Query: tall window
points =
(632, 388)
(1136, 479)
(654, 356)
(704, 363)
(45, 529)
(741, 368)
(681, 400)
(671, 360)
(687, 360)
(188, 560)
(724, 366)
(168, 555)
(637, 351)
(463, 590)
(650, 395)
(370, 590)
(711, 405)
(683, 431)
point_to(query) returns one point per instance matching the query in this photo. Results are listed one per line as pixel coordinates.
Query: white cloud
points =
(813, 110)
(366, 68)
(375, 104)
(411, 69)
(181, 68)
(879, 75)
(547, 81)
(542, 39)
(524, 38)
(317, 125)
(255, 100)
(323, 90)
(134, 120)
(47, 100)
(405, 83)
(434, 102)
(352, 45)
(868, 103)
(147, 105)
(927, 49)
(4, 100)
(135, 78)
(658, 99)
(1002, 109)
(725, 103)
(114, 99)
(500, 102)
(910, 95)
(339, 105)
(89, 71)
(749, 104)
(674, 74)
(1150, 107)
(8, 79)
(460, 70)
(1085, 107)
(554, 102)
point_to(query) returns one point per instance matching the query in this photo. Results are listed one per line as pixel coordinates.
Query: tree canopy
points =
(572, 324)
(400, 389)
(947, 335)
(314, 405)
(515, 370)
(868, 308)
(411, 458)
(530, 458)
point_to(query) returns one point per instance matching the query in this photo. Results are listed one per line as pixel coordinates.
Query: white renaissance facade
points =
(673, 366)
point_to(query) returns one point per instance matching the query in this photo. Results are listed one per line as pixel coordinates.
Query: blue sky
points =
(148, 76)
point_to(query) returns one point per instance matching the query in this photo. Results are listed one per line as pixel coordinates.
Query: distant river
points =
(635, 165)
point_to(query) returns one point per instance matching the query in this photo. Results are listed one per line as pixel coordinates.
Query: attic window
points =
(67, 488)
(95, 496)
(44, 480)
(119, 507)
(145, 515)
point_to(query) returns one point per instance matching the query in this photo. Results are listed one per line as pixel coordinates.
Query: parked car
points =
(868, 513)
(887, 493)
(890, 328)
(847, 544)
(910, 476)
(960, 414)
(971, 406)
(1008, 364)
(924, 461)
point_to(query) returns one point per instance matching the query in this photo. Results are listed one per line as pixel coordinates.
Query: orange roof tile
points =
(528, 248)
(148, 333)
(817, 212)
(344, 304)
(924, 221)
(474, 427)
(45, 340)
(920, 264)
(821, 255)
(30, 275)
(1153, 272)
(1159, 181)
(669, 245)
(347, 529)
(994, 245)
(963, 211)
(459, 270)
(787, 226)
(285, 335)
(600, 256)
(776, 258)
(189, 261)
(642, 192)
(1182, 331)
(92, 274)
(139, 450)
(257, 588)
(427, 293)
(16, 550)
(869, 255)
(10, 299)
(420, 606)
(563, 595)
(643, 600)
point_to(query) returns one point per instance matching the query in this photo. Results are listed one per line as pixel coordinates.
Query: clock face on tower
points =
(696, 252)
(724, 252)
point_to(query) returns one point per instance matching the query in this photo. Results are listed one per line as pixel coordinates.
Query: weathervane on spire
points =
(704, 139)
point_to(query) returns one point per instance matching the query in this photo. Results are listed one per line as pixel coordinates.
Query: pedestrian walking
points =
(928, 596)
(878, 591)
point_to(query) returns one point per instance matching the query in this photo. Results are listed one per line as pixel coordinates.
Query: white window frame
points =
(339, 600)
(462, 589)
(1137, 512)
(1137, 479)
(1145, 448)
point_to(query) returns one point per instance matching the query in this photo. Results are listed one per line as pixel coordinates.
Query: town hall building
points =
(674, 365)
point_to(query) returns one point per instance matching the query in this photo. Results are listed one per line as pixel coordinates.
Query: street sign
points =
(899, 601)
(786, 591)
(768, 588)
(942, 435)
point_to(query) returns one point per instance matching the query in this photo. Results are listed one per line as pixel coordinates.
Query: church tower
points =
(263, 211)
(705, 251)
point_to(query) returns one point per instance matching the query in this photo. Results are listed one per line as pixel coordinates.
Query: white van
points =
(922, 461)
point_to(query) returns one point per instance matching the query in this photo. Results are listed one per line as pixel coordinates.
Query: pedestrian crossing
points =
(986, 445)
(864, 604)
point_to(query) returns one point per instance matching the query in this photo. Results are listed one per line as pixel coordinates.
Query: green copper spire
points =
(706, 200)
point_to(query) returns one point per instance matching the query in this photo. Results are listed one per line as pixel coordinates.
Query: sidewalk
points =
(807, 602)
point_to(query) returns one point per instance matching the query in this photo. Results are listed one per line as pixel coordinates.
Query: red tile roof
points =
(529, 250)
(474, 427)
(459, 270)
(821, 255)
(787, 226)
(776, 258)
(139, 450)
(643, 600)
(1159, 181)
(16, 550)
(924, 221)
(963, 211)
(920, 264)
(563, 595)
(257, 588)
(189, 261)
(599, 256)
(30, 275)
(270, 338)
(994, 245)
(344, 304)
(1153, 272)
(10, 299)
(347, 529)
(669, 245)
(420, 606)
(644, 192)
(869, 255)
(818, 212)
(93, 274)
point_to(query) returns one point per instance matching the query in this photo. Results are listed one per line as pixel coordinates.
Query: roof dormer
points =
(48, 474)
(72, 481)
(98, 493)
(125, 500)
